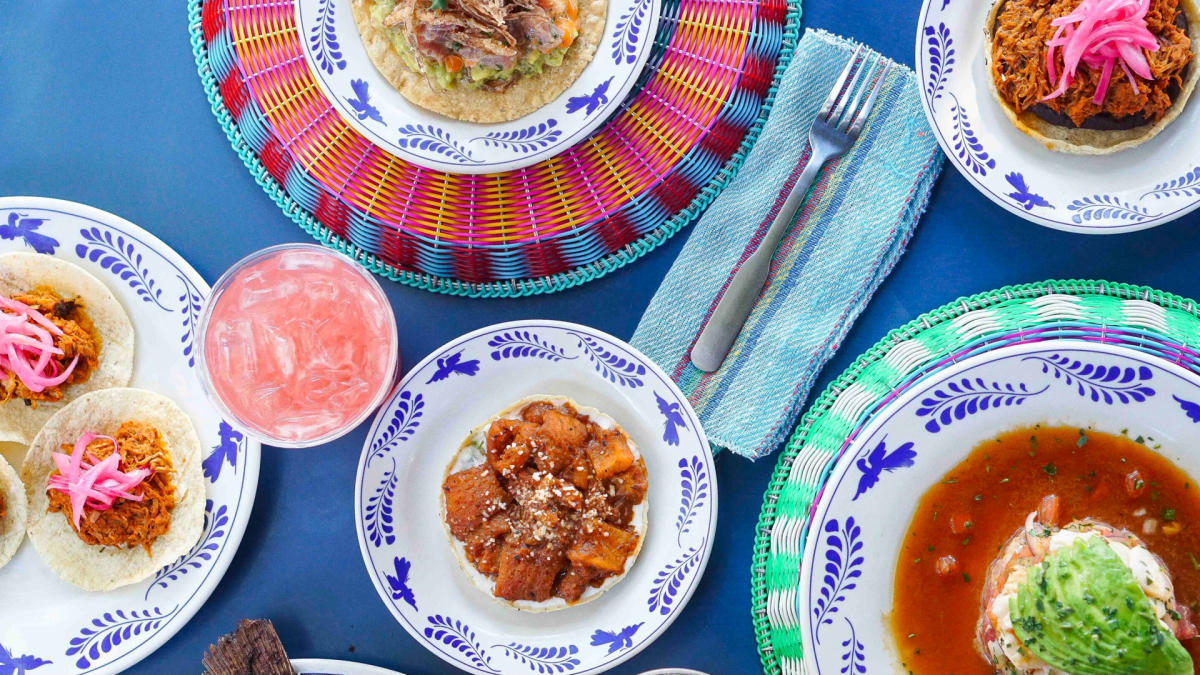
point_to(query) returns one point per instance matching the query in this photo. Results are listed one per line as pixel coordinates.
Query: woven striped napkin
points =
(847, 237)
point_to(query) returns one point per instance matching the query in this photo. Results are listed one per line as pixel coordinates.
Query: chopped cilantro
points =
(1050, 469)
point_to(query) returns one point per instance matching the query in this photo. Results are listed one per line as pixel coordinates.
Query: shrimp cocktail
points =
(299, 345)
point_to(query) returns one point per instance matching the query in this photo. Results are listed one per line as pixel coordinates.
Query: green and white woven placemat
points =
(1138, 317)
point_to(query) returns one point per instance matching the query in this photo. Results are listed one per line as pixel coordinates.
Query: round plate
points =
(458, 387)
(1152, 184)
(56, 627)
(327, 667)
(848, 567)
(338, 59)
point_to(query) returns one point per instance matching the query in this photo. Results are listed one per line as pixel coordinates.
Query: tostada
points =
(62, 334)
(1092, 76)
(480, 60)
(545, 504)
(115, 488)
(12, 512)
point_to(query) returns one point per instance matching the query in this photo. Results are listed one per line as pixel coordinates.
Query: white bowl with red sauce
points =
(940, 434)
(298, 345)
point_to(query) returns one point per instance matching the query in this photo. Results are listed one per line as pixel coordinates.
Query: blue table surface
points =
(100, 104)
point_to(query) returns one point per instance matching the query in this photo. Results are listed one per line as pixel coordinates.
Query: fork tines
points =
(844, 107)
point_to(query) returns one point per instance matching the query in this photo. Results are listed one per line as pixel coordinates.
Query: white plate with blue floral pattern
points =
(849, 563)
(48, 627)
(1149, 185)
(413, 439)
(327, 667)
(366, 100)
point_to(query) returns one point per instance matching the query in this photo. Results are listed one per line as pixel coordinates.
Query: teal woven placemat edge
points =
(910, 330)
(498, 289)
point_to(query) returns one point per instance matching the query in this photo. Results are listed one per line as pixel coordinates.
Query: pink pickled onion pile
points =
(27, 345)
(95, 484)
(1102, 34)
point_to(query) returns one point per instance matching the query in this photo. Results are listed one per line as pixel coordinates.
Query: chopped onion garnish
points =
(1101, 34)
(95, 484)
(26, 345)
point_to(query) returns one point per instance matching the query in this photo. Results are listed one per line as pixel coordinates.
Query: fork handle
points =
(731, 313)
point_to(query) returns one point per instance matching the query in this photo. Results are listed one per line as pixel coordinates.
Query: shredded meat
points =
(550, 513)
(490, 33)
(1019, 65)
(2, 507)
(128, 523)
(78, 337)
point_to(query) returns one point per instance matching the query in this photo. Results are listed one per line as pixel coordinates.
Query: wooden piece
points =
(253, 649)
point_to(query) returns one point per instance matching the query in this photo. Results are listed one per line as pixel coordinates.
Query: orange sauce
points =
(1000, 483)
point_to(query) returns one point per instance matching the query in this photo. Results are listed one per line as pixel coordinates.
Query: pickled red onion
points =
(26, 345)
(96, 485)
(1101, 34)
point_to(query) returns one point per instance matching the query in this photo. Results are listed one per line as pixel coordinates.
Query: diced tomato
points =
(1048, 510)
(1135, 485)
(1185, 628)
(569, 31)
(960, 523)
(945, 566)
(454, 63)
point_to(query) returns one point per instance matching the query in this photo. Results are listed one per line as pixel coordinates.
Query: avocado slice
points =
(1081, 611)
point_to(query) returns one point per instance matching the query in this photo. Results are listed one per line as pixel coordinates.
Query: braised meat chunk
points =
(528, 572)
(472, 496)
(551, 510)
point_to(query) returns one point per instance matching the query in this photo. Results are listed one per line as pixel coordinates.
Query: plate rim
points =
(923, 21)
(685, 595)
(250, 474)
(340, 666)
(425, 117)
(834, 475)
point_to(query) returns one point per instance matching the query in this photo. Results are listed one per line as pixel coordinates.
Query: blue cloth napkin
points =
(848, 235)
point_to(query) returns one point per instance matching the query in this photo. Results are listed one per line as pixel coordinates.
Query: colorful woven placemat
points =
(1136, 317)
(648, 171)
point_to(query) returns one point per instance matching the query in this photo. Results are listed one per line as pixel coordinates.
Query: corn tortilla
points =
(102, 568)
(21, 272)
(12, 526)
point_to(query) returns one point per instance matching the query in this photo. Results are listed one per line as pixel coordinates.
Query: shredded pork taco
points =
(12, 512)
(480, 60)
(115, 488)
(545, 504)
(62, 334)
(1092, 76)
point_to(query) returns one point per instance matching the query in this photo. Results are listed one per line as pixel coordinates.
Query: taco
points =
(62, 334)
(545, 504)
(1092, 76)
(13, 512)
(115, 488)
(480, 60)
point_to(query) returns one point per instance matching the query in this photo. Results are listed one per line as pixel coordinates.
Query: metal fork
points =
(836, 128)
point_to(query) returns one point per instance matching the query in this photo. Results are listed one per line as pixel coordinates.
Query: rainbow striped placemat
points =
(652, 167)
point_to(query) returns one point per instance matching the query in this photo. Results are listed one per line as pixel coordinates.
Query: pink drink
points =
(299, 344)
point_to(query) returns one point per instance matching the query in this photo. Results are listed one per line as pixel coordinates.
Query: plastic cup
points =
(297, 345)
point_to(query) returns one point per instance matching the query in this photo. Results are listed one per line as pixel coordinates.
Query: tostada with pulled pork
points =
(114, 487)
(1092, 76)
(62, 334)
(480, 60)
(545, 504)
